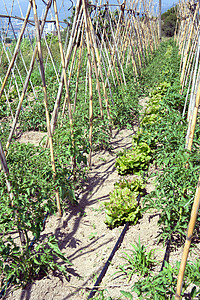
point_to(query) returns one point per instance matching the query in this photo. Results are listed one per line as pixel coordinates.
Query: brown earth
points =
(86, 241)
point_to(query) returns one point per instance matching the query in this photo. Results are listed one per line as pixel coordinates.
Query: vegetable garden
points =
(97, 74)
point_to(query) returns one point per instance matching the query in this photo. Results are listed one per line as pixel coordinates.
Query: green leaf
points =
(126, 294)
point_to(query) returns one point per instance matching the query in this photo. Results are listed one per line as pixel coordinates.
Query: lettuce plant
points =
(123, 205)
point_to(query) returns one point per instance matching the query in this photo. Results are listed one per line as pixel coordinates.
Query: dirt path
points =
(86, 241)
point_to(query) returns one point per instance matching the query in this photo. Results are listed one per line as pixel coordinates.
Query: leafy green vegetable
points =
(135, 160)
(123, 204)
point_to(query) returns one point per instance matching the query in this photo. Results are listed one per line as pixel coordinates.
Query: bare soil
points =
(87, 242)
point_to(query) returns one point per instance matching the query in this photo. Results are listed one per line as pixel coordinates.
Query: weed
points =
(92, 235)
(138, 261)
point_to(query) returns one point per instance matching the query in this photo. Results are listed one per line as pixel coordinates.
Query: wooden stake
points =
(188, 44)
(85, 12)
(79, 65)
(26, 81)
(77, 17)
(45, 103)
(16, 51)
(190, 230)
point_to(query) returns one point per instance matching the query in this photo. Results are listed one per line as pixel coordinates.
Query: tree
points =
(169, 19)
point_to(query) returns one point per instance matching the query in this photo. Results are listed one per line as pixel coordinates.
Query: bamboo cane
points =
(115, 50)
(115, 44)
(96, 73)
(8, 102)
(182, 40)
(84, 3)
(27, 80)
(66, 85)
(45, 103)
(24, 64)
(102, 45)
(134, 61)
(79, 65)
(119, 25)
(190, 61)
(73, 58)
(12, 70)
(140, 39)
(190, 230)
(137, 46)
(195, 76)
(194, 120)
(16, 51)
(189, 43)
(190, 81)
(133, 37)
(144, 39)
(111, 57)
(105, 70)
(77, 17)
(63, 65)
(93, 42)
(148, 27)
(123, 38)
(6, 173)
(109, 63)
(52, 59)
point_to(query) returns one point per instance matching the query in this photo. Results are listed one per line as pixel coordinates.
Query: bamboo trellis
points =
(188, 39)
(113, 36)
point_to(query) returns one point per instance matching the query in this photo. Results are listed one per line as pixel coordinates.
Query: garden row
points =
(159, 143)
(31, 176)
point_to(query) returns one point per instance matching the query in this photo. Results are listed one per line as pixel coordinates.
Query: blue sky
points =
(166, 4)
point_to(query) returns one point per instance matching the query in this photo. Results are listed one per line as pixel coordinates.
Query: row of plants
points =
(24, 253)
(160, 141)
(163, 128)
(33, 189)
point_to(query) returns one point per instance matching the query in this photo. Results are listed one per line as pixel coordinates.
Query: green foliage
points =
(33, 187)
(123, 204)
(138, 261)
(153, 108)
(169, 19)
(135, 160)
(125, 110)
(163, 67)
(21, 266)
(163, 285)
(164, 129)
(161, 138)
(100, 295)
(126, 294)
(173, 195)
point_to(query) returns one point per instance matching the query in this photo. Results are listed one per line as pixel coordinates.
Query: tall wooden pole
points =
(160, 24)
(27, 79)
(17, 47)
(194, 214)
(87, 27)
(38, 35)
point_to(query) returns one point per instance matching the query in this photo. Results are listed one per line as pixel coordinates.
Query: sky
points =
(64, 12)
(166, 4)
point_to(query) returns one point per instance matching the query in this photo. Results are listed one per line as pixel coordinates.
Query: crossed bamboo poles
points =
(188, 40)
(128, 42)
(131, 40)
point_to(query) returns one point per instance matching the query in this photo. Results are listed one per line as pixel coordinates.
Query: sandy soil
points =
(87, 242)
